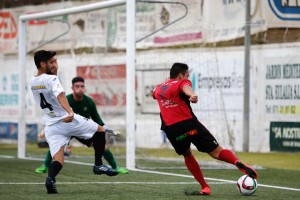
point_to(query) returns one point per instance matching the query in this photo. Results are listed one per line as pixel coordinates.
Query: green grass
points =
(78, 181)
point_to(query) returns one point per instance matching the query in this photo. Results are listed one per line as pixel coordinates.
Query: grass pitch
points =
(279, 178)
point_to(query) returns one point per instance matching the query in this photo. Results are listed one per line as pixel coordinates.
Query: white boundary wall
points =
(207, 21)
(230, 62)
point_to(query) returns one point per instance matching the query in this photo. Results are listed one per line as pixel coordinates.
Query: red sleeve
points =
(183, 83)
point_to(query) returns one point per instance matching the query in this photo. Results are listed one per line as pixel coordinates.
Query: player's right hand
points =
(69, 118)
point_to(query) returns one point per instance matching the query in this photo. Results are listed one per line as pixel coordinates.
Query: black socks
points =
(54, 169)
(99, 146)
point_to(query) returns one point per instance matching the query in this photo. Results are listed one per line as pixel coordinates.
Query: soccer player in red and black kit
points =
(183, 128)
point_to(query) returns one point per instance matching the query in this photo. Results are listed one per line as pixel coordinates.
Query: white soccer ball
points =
(246, 185)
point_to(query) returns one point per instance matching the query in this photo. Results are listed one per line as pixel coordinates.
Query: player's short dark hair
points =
(77, 79)
(43, 56)
(178, 68)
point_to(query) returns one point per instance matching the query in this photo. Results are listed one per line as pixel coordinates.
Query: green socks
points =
(48, 159)
(109, 157)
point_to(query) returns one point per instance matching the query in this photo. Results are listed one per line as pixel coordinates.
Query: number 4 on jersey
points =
(44, 104)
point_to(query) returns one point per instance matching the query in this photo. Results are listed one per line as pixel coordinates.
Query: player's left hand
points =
(69, 118)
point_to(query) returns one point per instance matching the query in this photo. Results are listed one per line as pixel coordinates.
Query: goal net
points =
(177, 38)
(92, 44)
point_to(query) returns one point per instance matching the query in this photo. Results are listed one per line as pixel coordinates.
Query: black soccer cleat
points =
(50, 185)
(246, 169)
(103, 169)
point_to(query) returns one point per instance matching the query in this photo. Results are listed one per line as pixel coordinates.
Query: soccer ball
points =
(246, 185)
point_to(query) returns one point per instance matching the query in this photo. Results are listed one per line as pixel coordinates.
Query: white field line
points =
(147, 171)
(109, 183)
(6, 156)
(215, 179)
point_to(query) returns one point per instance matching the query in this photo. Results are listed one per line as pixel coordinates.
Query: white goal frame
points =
(130, 70)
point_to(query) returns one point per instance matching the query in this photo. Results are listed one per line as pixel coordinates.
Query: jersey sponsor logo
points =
(168, 103)
(186, 134)
(285, 10)
(51, 114)
(192, 132)
(38, 87)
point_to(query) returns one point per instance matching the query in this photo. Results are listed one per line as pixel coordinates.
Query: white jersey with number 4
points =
(45, 89)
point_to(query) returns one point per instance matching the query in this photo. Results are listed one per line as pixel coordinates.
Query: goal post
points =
(130, 83)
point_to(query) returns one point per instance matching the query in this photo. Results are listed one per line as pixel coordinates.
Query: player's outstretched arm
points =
(188, 90)
(65, 104)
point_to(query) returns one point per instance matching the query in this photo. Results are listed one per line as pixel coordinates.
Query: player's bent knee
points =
(101, 129)
(187, 153)
(215, 153)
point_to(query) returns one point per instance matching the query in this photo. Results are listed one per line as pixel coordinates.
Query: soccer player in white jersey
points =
(60, 121)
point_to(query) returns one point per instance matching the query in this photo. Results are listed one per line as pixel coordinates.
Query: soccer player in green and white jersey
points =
(85, 106)
(61, 123)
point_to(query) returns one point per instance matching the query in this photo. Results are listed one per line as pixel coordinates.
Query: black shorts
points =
(86, 142)
(182, 134)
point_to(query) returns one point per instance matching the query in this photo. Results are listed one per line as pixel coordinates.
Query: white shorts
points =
(59, 134)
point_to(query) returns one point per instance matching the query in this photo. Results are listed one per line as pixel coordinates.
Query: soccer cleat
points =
(204, 191)
(103, 169)
(246, 169)
(41, 169)
(121, 170)
(50, 185)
